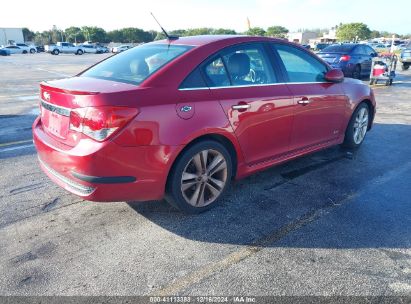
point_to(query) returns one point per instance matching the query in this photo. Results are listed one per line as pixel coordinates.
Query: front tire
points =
(357, 127)
(32, 51)
(199, 177)
(55, 52)
(79, 52)
(405, 66)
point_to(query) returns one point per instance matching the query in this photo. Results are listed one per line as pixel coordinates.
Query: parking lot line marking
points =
(53, 72)
(15, 143)
(242, 254)
(16, 148)
(31, 97)
(207, 271)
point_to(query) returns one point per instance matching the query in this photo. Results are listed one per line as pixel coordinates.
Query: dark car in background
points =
(320, 46)
(40, 48)
(353, 59)
(405, 57)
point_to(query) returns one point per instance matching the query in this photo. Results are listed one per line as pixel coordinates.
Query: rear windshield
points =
(344, 48)
(136, 64)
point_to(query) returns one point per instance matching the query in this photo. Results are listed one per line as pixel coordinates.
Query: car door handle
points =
(241, 107)
(304, 101)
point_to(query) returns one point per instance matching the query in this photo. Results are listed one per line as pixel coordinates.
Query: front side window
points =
(136, 64)
(301, 66)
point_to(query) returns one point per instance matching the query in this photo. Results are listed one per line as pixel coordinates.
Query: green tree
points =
(74, 34)
(255, 31)
(351, 31)
(179, 33)
(93, 33)
(28, 35)
(375, 34)
(42, 38)
(276, 31)
(222, 31)
(198, 31)
(135, 35)
(115, 36)
(160, 36)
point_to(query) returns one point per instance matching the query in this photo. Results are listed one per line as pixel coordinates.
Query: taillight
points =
(100, 123)
(345, 58)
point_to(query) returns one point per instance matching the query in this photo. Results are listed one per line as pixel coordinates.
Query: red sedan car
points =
(180, 119)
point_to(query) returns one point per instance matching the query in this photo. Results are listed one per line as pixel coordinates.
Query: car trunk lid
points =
(332, 57)
(59, 98)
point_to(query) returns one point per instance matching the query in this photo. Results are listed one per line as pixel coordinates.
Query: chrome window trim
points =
(54, 108)
(249, 86)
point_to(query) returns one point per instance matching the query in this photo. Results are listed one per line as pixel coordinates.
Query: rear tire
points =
(79, 52)
(405, 67)
(32, 51)
(357, 127)
(199, 177)
(356, 74)
(55, 52)
(24, 52)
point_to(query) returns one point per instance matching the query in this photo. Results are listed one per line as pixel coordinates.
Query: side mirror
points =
(334, 75)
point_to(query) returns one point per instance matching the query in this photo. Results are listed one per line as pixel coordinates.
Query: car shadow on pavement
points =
(331, 199)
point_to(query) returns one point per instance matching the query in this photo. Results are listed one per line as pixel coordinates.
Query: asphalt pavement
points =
(335, 222)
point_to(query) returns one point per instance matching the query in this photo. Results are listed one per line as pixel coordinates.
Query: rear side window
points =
(339, 48)
(301, 66)
(194, 80)
(248, 65)
(216, 74)
(137, 64)
(242, 65)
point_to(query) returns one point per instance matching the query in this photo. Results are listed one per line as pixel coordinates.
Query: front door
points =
(319, 106)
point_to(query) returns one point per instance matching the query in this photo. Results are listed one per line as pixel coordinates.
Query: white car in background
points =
(380, 48)
(89, 48)
(13, 49)
(64, 47)
(121, 48)
(28, 48)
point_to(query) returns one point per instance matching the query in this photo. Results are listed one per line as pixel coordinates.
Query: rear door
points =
(319, 106)
(258, 106)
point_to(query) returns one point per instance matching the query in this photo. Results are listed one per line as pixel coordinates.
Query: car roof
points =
(207, 39)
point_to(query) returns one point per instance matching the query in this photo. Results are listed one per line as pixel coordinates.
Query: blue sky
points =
(175, 14)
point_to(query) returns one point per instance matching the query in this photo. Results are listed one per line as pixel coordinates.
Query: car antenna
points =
(169, 37)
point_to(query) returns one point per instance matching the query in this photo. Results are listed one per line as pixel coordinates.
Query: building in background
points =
(301, 37)
(11, 35)
(328, 38)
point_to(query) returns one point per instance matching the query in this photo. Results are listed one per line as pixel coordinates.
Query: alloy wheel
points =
(360, 125)
(204, 178)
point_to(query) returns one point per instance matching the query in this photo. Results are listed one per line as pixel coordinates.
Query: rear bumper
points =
(105, 172)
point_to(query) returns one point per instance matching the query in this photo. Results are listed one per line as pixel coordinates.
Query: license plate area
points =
(55, 123)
